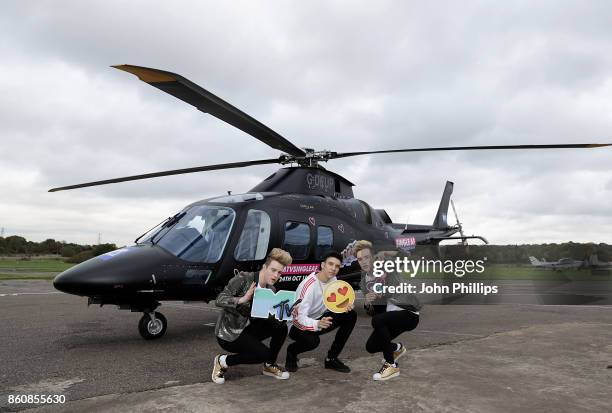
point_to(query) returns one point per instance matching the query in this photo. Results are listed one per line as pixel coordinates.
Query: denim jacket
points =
(235, 317)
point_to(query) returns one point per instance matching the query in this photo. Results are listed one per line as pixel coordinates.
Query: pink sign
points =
(405, 242)
(301, 268)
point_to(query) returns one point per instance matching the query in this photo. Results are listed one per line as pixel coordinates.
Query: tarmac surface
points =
(477, 358)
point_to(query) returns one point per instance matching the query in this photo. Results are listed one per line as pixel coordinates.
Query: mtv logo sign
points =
(266, 302)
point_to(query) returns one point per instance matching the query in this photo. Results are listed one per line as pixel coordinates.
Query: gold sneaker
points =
(218, 371)
(399, 353)
(275, 371)
(387, 371)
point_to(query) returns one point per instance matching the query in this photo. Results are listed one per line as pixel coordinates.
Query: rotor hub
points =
(310, 159)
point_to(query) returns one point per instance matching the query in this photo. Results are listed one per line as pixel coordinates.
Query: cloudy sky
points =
(336, 75)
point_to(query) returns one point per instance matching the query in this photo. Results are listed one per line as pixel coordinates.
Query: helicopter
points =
(303, 208)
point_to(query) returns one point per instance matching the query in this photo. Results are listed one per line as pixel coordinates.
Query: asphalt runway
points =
(52, 343)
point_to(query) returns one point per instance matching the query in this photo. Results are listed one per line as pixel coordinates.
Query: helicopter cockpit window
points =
(297, 239)
(253, 242)
(325, 241)
(200, 235)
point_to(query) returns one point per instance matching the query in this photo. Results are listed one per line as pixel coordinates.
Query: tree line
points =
(496, 254)
(71, 252)
(519, 254)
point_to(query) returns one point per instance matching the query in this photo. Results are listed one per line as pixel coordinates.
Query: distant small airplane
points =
(562, 264)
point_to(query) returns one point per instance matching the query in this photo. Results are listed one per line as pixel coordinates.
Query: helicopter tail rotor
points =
(459, 225)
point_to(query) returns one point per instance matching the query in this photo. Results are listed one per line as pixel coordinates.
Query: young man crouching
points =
(241, 335)
(311, 319)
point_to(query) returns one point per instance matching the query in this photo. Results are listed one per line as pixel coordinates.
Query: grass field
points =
(46, 269)
(34, 269)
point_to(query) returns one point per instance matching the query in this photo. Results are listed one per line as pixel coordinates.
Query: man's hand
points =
(325, 322)
(248, 295)
(349, 307)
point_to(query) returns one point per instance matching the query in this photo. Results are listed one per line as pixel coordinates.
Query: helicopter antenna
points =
(463, 239)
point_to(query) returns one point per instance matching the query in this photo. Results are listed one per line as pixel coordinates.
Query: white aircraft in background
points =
(562, 264)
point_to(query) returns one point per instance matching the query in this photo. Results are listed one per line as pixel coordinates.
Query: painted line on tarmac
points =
(16, 294)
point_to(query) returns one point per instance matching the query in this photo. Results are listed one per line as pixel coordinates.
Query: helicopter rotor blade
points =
(474, 148)
(168, 173)
(187, 91)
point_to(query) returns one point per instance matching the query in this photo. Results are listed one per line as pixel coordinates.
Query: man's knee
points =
(413, 324)
(295, 333)
(306, 340)
(311, 341)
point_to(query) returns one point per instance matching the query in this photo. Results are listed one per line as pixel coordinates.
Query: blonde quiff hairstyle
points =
(362, 245)
(280, 256)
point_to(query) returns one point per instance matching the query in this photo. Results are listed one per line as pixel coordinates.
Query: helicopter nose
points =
(86, 279)
(112, 273)
(82, 279)
(68, 281)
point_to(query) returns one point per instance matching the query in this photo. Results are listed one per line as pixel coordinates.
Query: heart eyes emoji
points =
(339, 295)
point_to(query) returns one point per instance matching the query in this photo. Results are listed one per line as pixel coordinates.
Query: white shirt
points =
(310, 291)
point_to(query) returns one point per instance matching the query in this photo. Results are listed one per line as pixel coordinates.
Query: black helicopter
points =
(304, 209)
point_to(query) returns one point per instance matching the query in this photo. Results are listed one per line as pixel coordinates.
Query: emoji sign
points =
(338, 295)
